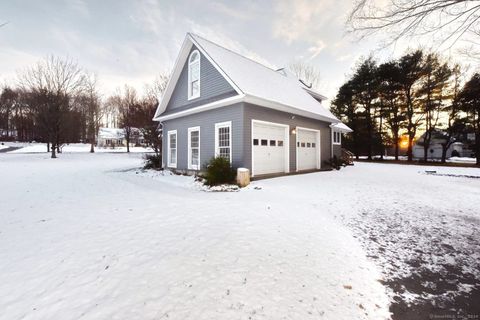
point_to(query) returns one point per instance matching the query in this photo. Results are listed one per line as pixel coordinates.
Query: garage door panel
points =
(308, 149)
(268, 148)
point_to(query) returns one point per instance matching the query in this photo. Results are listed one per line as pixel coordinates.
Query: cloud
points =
(227, 42)
(237, 13)
(79, 6)
(316, 49)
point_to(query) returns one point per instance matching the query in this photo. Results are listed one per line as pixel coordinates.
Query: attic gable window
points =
(194, 75)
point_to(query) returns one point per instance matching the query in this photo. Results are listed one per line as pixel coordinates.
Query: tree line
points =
(420, 91)
(56, 101)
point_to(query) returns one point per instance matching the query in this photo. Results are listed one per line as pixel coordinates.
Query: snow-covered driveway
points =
(83, 236)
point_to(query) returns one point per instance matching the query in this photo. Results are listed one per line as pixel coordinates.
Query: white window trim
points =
(189, 87)
(318, 146)
(286, 143)
(217, 127)
(339, 137)
(170, 164)
(190, 166)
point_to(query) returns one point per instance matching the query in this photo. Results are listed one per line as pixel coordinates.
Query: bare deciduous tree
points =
(55, 82)
(308, 73)
(446, 20)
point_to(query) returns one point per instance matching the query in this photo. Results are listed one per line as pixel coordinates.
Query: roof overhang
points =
(247, 99)
(339, 126)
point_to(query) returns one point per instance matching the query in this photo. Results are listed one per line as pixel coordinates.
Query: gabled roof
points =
(254, 82)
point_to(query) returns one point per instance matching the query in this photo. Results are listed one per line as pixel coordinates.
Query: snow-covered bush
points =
(336, 163)
(219, 171)
(153, 161)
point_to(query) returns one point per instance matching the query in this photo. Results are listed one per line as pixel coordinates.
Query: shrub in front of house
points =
(219, 171)
(153, 161)
(336, 163)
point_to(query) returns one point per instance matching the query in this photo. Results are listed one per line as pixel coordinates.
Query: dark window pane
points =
(255, 142)
(303, 144)
(272, 143)
(280, 143)
(313, 144)
(308, 144)
(264, 142)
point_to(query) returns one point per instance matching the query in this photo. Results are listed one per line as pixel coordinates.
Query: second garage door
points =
(269, 148)
(308, 149)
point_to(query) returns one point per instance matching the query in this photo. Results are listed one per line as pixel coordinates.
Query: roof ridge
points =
(234, 52)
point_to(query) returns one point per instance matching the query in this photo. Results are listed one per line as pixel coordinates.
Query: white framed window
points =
(337, 137)
(194, 148)
(172, 148)
(223, 140)
(194, 75)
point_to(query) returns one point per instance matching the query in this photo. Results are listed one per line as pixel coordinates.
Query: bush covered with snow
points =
(219, 171)
(153, 161)
(336, 163)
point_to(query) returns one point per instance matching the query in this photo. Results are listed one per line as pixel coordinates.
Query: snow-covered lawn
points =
(91, 236)
(35, 147)
(83, 236)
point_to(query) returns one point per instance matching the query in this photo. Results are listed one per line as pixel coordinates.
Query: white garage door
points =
(269, 148)
(308, 149)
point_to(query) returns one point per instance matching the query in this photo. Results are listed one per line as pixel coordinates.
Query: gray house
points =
(220, 103)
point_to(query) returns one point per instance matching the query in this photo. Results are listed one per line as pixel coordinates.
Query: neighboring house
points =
(456, 149)
(110, 137)
(220, 103)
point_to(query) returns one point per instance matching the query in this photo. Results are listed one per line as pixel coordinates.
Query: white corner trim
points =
(170, 164)
(218, 125)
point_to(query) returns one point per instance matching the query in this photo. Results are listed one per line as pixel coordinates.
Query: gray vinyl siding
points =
(260, 113)
(337, 150)
(213, 86)
(206, 121)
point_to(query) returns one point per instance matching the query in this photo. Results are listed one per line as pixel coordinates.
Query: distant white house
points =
(115, 137)
(456, 149)
(110, 137)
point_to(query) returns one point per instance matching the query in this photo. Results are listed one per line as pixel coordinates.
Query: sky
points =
(131, 42)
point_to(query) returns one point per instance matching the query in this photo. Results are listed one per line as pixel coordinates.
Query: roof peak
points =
(194, 35)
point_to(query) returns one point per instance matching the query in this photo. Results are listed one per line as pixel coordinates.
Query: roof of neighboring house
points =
(111, 133)
(258, 84)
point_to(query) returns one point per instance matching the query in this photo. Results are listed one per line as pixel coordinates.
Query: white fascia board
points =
(172, 81)
(201, 108)
(288, 109)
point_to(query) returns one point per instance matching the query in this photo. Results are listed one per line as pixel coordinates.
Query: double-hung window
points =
(172, 148)
(194, 75)
(223, 140)
(337, 137)
(194, 148)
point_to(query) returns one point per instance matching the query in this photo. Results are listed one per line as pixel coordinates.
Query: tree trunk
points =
(53, 151)
(92, 149)
(444, 152)
(410, 148)
(395, 137)
(48, 146)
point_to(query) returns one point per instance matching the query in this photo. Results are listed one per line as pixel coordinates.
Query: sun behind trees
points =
(419, 92)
